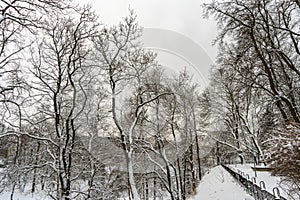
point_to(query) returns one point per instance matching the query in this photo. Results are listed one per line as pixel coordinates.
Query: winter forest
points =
(86, 112)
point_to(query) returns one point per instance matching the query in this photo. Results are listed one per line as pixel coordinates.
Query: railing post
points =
(262, 186)
(248, 184)
(276, 193)
(248, 177)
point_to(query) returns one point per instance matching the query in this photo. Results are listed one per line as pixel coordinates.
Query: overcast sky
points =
(182, 17)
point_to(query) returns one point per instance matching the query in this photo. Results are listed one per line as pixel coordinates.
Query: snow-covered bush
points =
(283, 153)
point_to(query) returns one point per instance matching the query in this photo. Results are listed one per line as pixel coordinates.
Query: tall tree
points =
(265, 45)
(125, 64)
(59, 71)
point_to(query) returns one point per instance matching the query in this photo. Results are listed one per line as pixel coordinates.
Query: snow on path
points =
(218, 184)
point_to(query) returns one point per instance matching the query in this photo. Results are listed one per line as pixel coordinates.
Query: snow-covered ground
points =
(22, 196)
(270, 181)
(18, 195)
(218, 184)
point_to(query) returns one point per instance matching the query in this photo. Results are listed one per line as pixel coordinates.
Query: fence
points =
(257, 190)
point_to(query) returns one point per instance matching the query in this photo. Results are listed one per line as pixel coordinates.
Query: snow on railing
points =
(258, 191)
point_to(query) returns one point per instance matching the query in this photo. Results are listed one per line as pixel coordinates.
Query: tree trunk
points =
(132, 184)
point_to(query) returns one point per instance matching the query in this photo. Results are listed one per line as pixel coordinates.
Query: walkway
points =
(218, 184)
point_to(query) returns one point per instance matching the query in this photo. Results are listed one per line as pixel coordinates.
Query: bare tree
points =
(17, 19)
(59, 68)
(168, 133)
(265, 46)
(125, 63)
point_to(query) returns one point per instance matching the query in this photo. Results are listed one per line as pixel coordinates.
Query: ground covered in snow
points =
(218, 184)
(22, 196)
(18, 195)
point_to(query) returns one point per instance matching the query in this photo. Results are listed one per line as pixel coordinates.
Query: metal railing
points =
(256, 190)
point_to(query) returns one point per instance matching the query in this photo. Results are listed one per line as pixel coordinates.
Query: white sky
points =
(183, 17)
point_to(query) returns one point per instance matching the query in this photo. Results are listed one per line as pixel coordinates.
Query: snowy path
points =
(218, 184)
